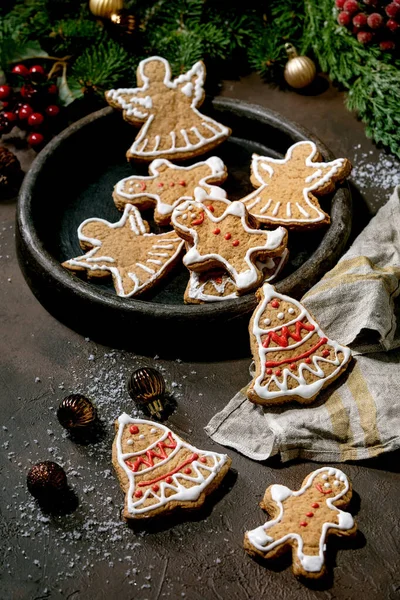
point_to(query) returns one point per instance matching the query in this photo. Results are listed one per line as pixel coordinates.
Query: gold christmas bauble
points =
(105, 8)
(299, 71)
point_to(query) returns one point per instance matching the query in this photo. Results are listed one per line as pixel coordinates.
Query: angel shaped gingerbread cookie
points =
(287, 189)
(168, 185)
(294, 359)
(303, 520)
(229, 240)
(159, 472)
(167, 111)
(135, 258)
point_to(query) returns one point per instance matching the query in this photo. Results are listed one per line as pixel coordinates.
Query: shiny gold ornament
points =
(124, 21)
(147, 387)
(299, 71)
(46, 478)
(105, 8)
(76, 411)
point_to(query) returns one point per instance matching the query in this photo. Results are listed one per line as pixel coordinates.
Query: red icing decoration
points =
(155, 487)
(171, 184)
(142, 186)
(282, 340)
(278, 372)
(160, 184)
(308, 360)
(203, 459)
(200, 220)
(309, 514)
(293, 367)
(218, 280)
(150, 454)
(275, 304)
(216, 231)
(315, 505)
(228, 236)
(269, 371)
(210, 208)
(182, 182)
(321, 489)
(272, 363)
(303, 524)
(325, 353)
(235, 243)
(167, 476)
(134, 429)
(138, 494)
(187, 471)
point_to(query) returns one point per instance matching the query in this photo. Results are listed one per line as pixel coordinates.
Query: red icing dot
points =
(138, 494)
(216, 231)
(134, 429)
(187, 471)
(275, 304)
(278, 372)
(182, 182)
(325, 353)
(218, 280)
(308, 360)
(315, 505)
(303, 524)
(171, 184)
(155, 488)
(228, 236)
(160, 184)
(309, 514)
(142, 186)
(235, 243)
(324, 340)
(293, 367)
(269, 371)
(169, 480)
(210, 208)
(194, 456)
(203, 459)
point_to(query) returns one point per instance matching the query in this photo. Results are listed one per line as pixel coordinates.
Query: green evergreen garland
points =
(231, 36)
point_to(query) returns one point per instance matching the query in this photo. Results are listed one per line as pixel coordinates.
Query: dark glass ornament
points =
(46, 478)
(76, 411)
(146, 386)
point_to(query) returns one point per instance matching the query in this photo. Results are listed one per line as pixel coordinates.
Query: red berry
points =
(34, 139)
(340, 4)
(360, 20)
(387, 45)
(52, 110)
(37, 72)
(351, 6)
(344, 18)
(52, 89)
(393, 10)
(25, 111)
(10, 116)
(29, 92)
(375, 20)
(20, 70)
(392, 25)
(5, 91)
(35, 119)
(397, 2)
(364, 37)
(5, 125)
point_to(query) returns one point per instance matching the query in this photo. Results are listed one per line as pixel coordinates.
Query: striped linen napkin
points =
(358, 416)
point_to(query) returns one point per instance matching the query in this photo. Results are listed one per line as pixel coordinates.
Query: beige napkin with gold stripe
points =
(358, 416)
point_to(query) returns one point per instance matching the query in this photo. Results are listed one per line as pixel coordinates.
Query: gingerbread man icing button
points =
(227, 241)
(166, 109)
(303, 520)
(168, 185)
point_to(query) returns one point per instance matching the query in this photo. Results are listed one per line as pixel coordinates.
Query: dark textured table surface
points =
(90, 553)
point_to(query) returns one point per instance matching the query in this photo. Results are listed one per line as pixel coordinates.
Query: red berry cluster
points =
(371, 20)
(30, 103)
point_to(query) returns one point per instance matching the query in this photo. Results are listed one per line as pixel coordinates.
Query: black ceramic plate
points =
(72, 179)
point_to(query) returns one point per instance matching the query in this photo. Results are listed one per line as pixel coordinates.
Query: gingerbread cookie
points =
(167, 111)
(136, 259)
(168, 185)
(294, 360)
(159, 472)
(287, 188)
(227, 241)
(218, 285)
(303, 520)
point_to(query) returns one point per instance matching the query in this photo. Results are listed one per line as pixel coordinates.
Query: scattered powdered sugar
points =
(383, 173)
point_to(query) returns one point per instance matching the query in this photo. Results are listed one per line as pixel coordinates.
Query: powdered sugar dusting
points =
(383, 173)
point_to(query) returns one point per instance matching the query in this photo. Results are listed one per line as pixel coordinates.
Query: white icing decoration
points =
(141, 436)
(291, 311)
(267, 321)
(181, 494)
(280, 315)
(92, 259)
(327, 485)
(279, 493)
(193, 82)
(129, 442)
(336, 482)
(244, 279)
(324, 477)
(313, 182)
(153, 430)
(260, 539)
(303, 389)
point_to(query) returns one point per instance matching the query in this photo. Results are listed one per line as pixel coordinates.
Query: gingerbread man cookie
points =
(159, 472)
(168, 185)
(136, 259)
(303, 520)
(294, 360)
(227, 241)
(167, 111)
(287, 188)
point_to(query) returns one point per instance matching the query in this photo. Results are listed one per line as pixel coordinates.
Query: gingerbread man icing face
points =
(331, 483)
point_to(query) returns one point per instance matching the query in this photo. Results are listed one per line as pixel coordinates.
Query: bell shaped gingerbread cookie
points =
(230, 241)
(159, 472)
(167, 111)
(169, 185)
(135, 258)
(294, 359)
(287, 188)
(303, 521)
